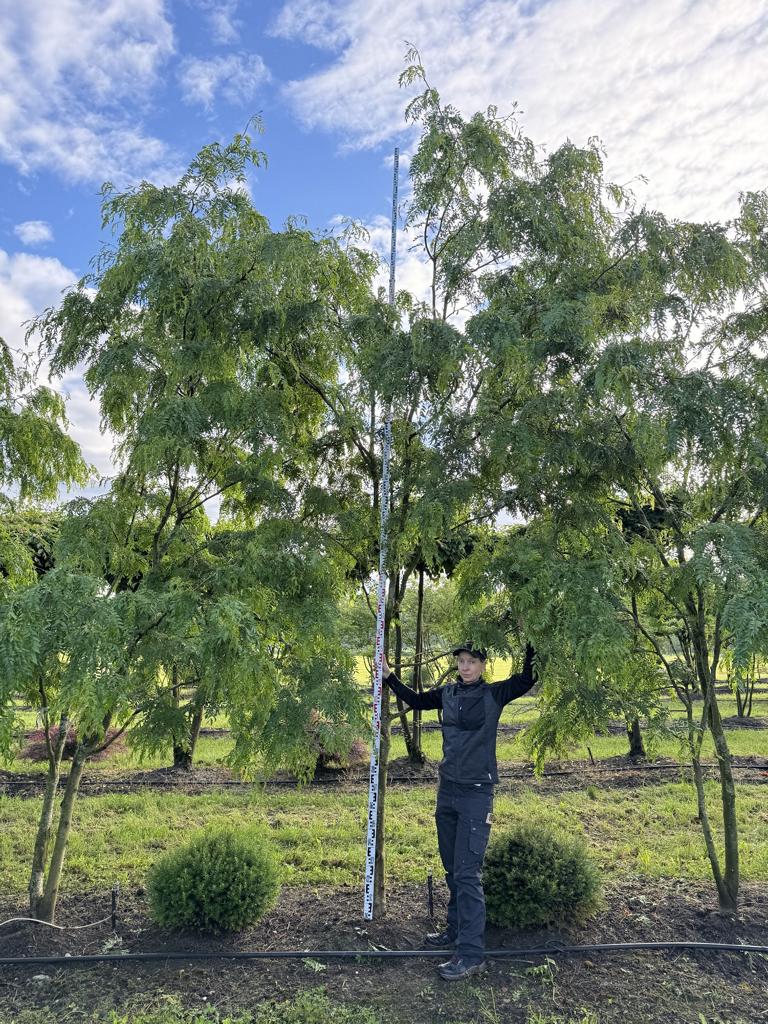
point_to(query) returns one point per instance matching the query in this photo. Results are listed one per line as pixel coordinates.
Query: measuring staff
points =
(471, 710)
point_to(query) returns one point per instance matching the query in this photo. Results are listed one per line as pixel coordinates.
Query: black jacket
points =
(471, 713)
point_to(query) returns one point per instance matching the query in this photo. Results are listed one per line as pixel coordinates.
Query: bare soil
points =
(620, 772)
(648, 987)
(643, 987)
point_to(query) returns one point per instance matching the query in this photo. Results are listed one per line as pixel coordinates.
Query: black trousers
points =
(463, 818)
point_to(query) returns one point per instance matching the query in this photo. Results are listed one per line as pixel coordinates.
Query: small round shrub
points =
(533, 876)
(221, 880)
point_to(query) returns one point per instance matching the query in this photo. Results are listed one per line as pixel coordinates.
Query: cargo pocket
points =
(479, 831)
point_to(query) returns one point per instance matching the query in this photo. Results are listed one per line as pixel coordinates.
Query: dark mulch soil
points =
(620, 772)
(641, 987)
(734, 722)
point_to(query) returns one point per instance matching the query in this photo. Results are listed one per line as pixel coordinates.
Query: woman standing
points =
(471, 710)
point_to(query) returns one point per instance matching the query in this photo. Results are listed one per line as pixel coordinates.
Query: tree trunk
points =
(45, 822)
(635, 736)
(744, 697)
(729, 892)
(46, 909)
(741, 702)
(194, 732)
(418, 754)
(183, 754)
(404, 725)
(709, 842)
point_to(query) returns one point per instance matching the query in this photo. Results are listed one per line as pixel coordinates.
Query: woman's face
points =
(470, 669)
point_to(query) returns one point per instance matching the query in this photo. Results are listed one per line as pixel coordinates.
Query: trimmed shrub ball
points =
(223, 879)
(534, 876)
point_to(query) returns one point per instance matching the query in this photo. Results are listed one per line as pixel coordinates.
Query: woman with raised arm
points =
(471, 710)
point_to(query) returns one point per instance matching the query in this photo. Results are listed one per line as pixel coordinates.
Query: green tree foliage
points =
(412, 360)
(624, 412)
(192, 328)
(37, 458)
(36, 454)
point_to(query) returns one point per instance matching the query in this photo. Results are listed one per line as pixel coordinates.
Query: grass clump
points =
(533, 876)
(307, 1007)
(223, 879)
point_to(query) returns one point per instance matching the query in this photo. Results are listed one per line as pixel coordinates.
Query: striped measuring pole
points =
(373, 777)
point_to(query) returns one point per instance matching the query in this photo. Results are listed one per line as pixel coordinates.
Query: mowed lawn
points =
(649, 831)
(320, 832)
(213, 749)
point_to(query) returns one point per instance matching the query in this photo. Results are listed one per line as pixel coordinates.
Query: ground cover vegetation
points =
(592, 372)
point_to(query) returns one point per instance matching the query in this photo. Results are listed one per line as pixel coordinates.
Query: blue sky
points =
(130, 89)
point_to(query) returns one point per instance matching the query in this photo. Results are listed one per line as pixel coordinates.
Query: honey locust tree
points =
(627, 419)
(190, 329)
(37, 457)
(416, 360)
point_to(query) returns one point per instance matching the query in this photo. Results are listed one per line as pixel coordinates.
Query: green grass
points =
(212, 750)
(311, 1006)
(651, 831)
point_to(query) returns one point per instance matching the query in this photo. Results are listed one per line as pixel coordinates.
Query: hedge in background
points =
(221, 880)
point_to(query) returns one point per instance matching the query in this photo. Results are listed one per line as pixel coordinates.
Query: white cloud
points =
(29, 284)
(222, 20)
(676, 89)
(34, 232)
(69, 73)
(237, 77)
(412, 273)
(321, 23)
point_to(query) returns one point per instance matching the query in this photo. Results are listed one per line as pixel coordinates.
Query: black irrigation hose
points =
(381, 954)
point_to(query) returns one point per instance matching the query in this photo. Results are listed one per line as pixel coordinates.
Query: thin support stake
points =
(373, 778)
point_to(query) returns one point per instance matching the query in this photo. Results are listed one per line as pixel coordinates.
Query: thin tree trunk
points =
(729, 893)
(404, 724)
(45, 822)
(706, 828)
(635, 736)
(184, 753)
(741, 700)
(47, 904)
(181, 754)
(418, 754)
(194, 732)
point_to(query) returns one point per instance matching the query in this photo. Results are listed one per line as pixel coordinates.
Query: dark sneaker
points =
(440, 940)
(459, 967)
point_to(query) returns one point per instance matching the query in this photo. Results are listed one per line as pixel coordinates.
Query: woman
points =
(471, 710)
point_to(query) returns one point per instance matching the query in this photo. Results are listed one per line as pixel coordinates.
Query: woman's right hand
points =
(385, 669)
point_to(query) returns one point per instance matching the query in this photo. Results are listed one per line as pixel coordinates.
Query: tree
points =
(37, 457)
(629, 431)
(414, 360)
(191, 328)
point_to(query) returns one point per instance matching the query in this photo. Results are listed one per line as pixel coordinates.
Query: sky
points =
(127, 90)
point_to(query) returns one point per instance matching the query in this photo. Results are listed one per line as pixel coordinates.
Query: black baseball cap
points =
(469, 647)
